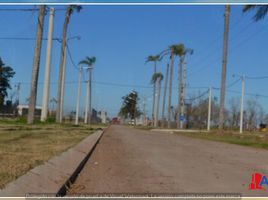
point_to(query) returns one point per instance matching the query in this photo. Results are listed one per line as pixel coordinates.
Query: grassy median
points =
(246, 139)
(23, 147)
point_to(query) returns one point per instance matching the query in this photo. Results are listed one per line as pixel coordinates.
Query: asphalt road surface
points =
(129, 160)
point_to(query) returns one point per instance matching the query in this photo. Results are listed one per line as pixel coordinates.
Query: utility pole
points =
(90, 95)
(242, 104)
(48, 65)
(224, 65)
(87, 103)
(153, 108)
(180, 94)
(36, 64)
(209, 108)
(78, 96)
(144, 110)
(183, 96)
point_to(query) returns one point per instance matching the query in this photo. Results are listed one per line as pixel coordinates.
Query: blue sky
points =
(121, 37)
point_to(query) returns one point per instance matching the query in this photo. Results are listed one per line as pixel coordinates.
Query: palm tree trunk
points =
(154, 94)
(63, 52)
(170, 88)
(36, 64)
(164, 96)
(224, 66)
(157, 102)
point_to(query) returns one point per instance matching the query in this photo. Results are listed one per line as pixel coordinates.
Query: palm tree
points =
(69, 11)
(261, 11)
(224, 65)
(181, 51)
(153, 59)
(164, 95)
(89, 62)
(36, 63)
(171, 52)
(156, 80)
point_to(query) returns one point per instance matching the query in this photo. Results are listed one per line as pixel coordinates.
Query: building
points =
(23, 110)
(103, 117)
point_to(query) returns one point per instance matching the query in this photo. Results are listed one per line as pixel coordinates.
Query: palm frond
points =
(152, 58)
(88, 61)
(261, 11)
(157, 76)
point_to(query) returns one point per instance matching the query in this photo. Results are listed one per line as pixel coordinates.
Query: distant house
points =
(23, 110)
(103, 116)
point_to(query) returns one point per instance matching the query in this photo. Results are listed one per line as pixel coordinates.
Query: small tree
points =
(6, 73)
(129, 108)
(234, 112)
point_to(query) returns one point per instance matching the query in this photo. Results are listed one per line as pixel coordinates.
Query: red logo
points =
(257, 182)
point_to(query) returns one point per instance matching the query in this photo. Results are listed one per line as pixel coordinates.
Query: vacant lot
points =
(23, 147)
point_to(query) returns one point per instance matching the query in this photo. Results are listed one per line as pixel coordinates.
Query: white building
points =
(103, 116)
(23, 110)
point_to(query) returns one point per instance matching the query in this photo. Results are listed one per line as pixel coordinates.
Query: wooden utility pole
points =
(183, 84)
(36, 64)
(224, 65)
(180, 93)
(242, 104)
(209, 108)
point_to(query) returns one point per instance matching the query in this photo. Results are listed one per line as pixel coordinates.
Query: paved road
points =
(128, 160)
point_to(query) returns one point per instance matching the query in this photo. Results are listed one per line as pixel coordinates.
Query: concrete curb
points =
(179, 130)
(54, 177)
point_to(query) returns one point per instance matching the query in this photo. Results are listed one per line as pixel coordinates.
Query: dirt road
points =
(128, 160)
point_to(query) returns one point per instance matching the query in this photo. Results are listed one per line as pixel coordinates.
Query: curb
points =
(55, 176)
(179, 130)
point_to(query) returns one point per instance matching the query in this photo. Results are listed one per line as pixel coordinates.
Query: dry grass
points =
(23, 147)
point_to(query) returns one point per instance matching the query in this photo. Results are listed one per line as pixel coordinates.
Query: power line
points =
(18, 9)
(212, 50)
(71, 58)
(27, 38)
(256, 77)
(248, 94)
(233, 47)
(198, 97)
(233, 83)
